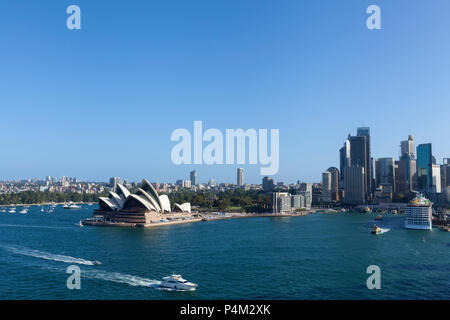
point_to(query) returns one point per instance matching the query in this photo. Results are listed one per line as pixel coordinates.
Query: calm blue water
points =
(313, 257)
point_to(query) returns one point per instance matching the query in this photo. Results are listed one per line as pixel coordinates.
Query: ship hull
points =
(418, 226)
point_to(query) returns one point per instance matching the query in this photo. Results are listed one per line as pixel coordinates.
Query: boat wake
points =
(131, 280)
(47, 256)
(384, 230)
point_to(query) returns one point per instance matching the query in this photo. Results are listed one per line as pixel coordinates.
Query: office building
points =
(194, 181)
(344, 161)
(240, 177)
(436, 178)
(407, 147)
(424, 167)
(114, 181)
(326, 186)
(384, 172)
(334, 183)
(354, 185)
(368, 168)
(268, 184)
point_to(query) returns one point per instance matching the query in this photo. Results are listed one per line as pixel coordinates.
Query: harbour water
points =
(319, 256)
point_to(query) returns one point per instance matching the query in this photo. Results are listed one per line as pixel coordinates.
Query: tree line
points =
(233, 199)
(32, 197)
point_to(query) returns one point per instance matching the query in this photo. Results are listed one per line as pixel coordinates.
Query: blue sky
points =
(103, 101)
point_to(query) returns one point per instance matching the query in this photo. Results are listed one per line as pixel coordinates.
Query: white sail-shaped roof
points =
(147, 187)
(149, 198)
(165, 203)
(106, 203)
(122, 192)
(186, 207)
(133, 198)
(114, 197)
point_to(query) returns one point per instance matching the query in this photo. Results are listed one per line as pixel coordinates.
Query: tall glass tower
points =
(368, 169)
(424, 167)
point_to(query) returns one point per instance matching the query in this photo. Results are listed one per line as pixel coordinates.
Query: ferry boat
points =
(419, 213)
(376, 229)
(175, 281)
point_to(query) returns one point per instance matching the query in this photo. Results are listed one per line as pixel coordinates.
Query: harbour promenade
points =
(189, 219)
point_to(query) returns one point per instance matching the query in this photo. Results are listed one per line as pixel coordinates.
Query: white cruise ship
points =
(419, 213)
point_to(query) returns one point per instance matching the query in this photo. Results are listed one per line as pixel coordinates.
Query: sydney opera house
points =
(145, 206)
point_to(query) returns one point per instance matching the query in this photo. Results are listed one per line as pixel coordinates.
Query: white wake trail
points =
(120, 278)
(47, 256)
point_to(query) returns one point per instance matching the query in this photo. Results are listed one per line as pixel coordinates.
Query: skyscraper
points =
(344, 161)
(424, 167)
(436, 178)
(326, 186)
(194, 181)
(268, 184)
(384, 172)
(368, 169)
(240, 177)
(407, 146)
(114, 181)
(358, 158)
(334, 183)
(354, 185)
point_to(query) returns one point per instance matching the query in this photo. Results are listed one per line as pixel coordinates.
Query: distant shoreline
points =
(43, 204)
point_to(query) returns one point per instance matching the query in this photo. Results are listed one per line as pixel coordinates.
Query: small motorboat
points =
(96, 263)
(71, 206)
(175, 281)
(23, 211)
(12, 210)
(379, 217)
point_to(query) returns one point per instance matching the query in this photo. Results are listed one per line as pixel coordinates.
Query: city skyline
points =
(87, 97)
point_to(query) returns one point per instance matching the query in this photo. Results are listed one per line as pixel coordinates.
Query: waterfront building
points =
(268, 184)
(406, 177)
(326, 186)
(384, 172)
(358, 158)
(193, 177)
(334, 183)
(298, 201)
(344, 161)
(424, 167)
(445, 180)
(419, 213)
(283, 202)
(436, 178)
(354, 185)
(240, 177)
(305, 189)
(144, 206)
